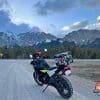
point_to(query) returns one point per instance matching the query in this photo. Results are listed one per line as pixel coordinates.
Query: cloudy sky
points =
(52, 16)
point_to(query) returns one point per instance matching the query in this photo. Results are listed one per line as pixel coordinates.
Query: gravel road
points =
(16, 83)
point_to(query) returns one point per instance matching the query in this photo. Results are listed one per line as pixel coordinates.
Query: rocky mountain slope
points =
(85, 38)
(24, 39)
(82, 36)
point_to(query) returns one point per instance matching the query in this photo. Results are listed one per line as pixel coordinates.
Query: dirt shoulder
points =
(89, 71)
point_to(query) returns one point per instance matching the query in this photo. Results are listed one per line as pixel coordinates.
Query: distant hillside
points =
(32, 38)
(24, 39)
(82, 37)
(7, 40)
(56, 43)
(94, 44)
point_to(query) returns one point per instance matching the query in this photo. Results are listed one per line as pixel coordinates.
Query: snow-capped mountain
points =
(31, 38)
(94, 44)
(24, 39)
(6, 40)
(37, 38)
(82, 37)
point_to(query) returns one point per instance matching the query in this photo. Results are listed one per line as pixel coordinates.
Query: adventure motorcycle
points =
(53, 76)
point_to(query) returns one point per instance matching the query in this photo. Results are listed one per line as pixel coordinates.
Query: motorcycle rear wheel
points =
(64, 88)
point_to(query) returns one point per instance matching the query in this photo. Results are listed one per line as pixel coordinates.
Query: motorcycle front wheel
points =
(36, 78)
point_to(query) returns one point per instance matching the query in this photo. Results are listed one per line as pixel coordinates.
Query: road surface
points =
(16, 83)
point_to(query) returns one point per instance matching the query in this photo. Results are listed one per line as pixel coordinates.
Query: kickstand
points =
(45, 88)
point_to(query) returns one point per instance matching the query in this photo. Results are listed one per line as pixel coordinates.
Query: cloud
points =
(80, 25)
(53, 6)
(87, 27)
(97, 24)
(7, 25)
(65, 28)
(20, 11)
(77, 25)
(98, 18)
(5, 19)
(4, 5)
(90, 3)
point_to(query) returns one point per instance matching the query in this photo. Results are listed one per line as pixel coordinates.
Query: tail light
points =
(67, 68)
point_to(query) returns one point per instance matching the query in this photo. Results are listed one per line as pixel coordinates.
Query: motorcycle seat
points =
(52, 68)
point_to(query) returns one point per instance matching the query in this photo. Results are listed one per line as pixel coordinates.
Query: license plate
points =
(67, 72)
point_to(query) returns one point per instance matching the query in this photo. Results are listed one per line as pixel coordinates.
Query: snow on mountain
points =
(82, 36)
(24, 39)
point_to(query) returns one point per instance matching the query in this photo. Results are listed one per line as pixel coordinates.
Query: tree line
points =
(24, 52)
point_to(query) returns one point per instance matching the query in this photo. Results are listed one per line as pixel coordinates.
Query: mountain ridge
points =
(84, 38)
(24, 39)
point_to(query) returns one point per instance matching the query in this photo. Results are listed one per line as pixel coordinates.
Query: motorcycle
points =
(53, 76)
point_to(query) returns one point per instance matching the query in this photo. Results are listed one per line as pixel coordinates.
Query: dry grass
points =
(91, 72)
